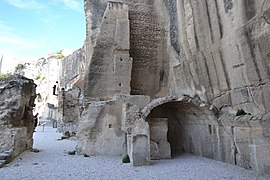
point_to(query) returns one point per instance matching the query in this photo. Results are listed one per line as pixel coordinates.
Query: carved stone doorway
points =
(177, 127)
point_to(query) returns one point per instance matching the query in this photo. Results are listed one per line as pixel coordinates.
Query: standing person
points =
(36, 120)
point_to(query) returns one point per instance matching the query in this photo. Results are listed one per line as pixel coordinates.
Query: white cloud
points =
(72, 4)
(26, 4)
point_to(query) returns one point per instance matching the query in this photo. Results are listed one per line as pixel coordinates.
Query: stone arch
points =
(180, 124)
(157, 102)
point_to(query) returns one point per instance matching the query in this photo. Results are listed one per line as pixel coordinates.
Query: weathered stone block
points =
(140, 150)
(16, 117)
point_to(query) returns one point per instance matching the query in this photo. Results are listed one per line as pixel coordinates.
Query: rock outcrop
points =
(17, 96)
(198, 70)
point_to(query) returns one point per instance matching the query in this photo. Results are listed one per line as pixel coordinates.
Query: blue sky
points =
(32, 28)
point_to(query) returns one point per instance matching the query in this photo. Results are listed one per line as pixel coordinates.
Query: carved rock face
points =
(214, 52)
(201, 49)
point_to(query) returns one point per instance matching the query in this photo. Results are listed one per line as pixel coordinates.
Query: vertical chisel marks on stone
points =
(250, 44)
(209, 21)
(264, 57)
(208, 75)
(195, 28)
(219, 20)
(224, 69)
(215, 67)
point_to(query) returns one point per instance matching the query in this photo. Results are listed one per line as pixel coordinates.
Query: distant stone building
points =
(162, 77)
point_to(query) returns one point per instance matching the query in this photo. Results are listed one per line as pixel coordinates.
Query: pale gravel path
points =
(52, 162)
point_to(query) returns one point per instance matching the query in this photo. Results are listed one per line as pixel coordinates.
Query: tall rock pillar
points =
(109, 71)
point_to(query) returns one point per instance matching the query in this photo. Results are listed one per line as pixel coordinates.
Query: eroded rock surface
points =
(17, 96)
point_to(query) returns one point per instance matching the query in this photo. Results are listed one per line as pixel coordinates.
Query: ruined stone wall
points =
(17, 96)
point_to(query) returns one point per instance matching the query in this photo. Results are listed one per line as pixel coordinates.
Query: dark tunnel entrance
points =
(177, 127)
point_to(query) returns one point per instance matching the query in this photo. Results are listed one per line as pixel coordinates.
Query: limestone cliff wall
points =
(17, 96)
(224, 59)
(213, 52)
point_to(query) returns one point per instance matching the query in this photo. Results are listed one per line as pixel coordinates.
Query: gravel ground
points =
(53, 162)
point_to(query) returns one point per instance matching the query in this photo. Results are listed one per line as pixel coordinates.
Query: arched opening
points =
(181, 126)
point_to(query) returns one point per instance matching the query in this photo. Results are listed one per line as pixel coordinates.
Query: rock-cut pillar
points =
(109, 72)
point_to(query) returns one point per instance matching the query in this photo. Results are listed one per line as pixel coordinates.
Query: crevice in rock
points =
(251, 45)
(224, 69)
(209, 21)
(219, 20)
(266, 20)
(235, 151)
